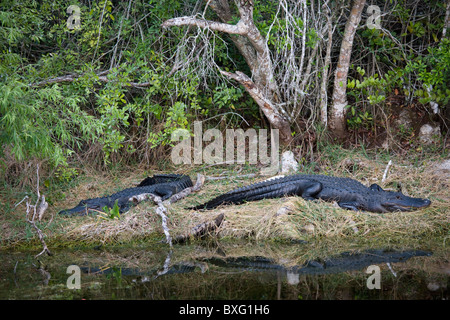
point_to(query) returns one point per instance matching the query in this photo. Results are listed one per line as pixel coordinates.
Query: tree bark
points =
(269, 109)
(327, 63)
(253, 46)
(446, 20)
(337, 121)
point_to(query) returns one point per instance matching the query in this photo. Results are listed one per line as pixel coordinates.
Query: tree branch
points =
(73, 77)
(271, 111)
(238, 28)
(201, 229)
(35, 210)
(161, 210)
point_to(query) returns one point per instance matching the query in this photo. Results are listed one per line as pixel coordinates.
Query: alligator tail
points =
(268, 189)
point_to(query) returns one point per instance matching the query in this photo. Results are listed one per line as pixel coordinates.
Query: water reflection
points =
(196, 272)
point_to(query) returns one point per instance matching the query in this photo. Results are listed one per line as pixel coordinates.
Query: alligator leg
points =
(375, 187)
(164, 192)
(348, 205)
(310, 189)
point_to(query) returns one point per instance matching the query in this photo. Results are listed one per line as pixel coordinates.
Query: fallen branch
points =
(161, 209)
(73, 77)
(176, 197)
(180, 195)
(201, 229)
(37, 211)
(250, 175)
(386, 170)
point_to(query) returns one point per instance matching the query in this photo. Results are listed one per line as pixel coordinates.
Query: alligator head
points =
(83, 207)
(389, 201)
(81, 210)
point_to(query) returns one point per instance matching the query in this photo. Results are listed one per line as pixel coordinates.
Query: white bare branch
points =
(238, 28)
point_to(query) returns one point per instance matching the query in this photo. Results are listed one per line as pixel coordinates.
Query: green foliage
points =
(359, 118)
(176, 119)
(225, 96)
(43, 123)
(395, 60)
(433, 71)
(101, 118)
(111, 213)
(64, 173)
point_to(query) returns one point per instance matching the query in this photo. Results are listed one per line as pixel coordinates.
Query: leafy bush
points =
(433, 71)
(45, 123)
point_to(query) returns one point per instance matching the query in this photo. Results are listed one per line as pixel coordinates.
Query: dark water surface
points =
(233, 272)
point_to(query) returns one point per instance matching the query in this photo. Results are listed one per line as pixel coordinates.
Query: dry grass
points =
(293, 218)
(280, 219)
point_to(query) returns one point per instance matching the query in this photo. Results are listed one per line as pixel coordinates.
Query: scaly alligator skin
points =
(164, 185)
(348, 193)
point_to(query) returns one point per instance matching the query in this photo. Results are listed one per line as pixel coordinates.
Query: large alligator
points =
(348, 193)
(164, 185)
(346, 261)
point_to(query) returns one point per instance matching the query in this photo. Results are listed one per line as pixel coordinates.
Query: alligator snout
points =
(407, 204)
(426, 202)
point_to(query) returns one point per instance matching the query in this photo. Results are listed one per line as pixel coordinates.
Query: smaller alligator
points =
(164, 185)
(348, 193)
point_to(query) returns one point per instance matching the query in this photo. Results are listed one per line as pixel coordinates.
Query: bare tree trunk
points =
(270, 110)
(337, 121)
(327, 63)
(255, 51)
(446, 20)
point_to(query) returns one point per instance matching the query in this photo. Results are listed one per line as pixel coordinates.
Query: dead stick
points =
(161, 209)
(202, 229)
(42, 207)
(386, 171)
(37, 211)
(180, 195)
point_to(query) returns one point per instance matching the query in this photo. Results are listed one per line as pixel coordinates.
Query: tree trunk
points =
(252, 45)
(337, 121)
(270, 110)
(323, 86)
(446, 20)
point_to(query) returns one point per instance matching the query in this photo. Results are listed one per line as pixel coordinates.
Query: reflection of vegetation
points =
(117, 282)
(116, 274)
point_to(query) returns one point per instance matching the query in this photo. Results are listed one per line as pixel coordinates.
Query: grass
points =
(286, 220)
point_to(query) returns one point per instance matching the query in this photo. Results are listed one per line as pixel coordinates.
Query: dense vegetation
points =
(114, 89)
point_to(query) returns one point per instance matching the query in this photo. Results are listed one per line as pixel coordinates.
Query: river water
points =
(246, 271)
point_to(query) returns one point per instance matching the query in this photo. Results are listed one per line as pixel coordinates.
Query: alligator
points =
(163, 185)
(348, 193)
(345, 261)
